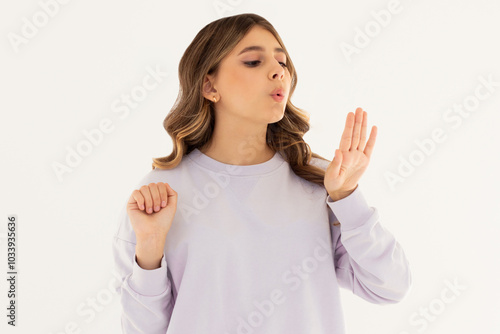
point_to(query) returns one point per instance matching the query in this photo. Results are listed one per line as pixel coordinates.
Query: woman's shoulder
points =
(162, 175)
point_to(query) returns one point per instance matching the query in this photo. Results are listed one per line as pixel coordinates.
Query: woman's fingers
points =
(152, 196)
(362, 138)
(137, 198)
(148, 199)
(162, 188)
(371, 142)
(345, 141)
(354, 135)
(358, 120)
(155, 195)
(172, 197)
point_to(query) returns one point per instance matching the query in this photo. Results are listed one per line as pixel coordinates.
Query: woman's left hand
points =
(352, 157)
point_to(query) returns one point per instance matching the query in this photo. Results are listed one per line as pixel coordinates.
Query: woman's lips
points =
(278, 98)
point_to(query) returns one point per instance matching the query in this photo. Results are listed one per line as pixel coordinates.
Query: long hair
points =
(191, 120)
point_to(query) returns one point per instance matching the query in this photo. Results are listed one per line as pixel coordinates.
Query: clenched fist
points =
(151, 210)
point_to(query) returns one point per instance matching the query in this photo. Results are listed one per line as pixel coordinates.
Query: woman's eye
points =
(252, 63)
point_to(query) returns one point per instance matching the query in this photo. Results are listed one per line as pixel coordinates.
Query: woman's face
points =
(246, 80)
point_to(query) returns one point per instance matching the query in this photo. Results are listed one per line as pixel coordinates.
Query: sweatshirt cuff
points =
(351, 211)
(149, 282)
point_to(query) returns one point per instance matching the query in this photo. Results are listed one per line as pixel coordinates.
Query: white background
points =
(428, 58)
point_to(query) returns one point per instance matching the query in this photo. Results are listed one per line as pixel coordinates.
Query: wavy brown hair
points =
(191, 121)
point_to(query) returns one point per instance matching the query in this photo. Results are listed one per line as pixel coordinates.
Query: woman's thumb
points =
(172, 197)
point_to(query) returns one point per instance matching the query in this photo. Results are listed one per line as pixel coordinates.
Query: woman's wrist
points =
(149, 253)
(337, 196)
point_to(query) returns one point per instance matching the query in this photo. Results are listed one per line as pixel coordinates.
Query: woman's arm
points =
(145, 295)
(368, 259)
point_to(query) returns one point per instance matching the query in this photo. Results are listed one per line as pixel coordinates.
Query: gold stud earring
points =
(215, 100)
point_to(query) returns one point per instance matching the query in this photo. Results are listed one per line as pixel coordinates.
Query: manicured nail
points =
(163, 203)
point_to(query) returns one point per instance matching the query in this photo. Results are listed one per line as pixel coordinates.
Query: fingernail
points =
(150, 210)
(163, 203)
(157, 208)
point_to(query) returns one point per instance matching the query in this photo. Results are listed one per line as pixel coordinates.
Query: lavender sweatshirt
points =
(254, 249)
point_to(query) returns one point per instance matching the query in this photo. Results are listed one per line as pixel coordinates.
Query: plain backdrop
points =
(433, 175)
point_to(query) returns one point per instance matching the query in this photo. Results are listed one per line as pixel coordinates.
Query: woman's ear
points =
(208, 90)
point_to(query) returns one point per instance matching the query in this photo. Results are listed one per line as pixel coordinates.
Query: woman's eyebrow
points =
(259, 48)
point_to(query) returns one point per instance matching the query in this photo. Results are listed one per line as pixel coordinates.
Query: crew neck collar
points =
(258, 169)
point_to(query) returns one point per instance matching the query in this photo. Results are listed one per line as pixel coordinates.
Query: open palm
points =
(352, 157)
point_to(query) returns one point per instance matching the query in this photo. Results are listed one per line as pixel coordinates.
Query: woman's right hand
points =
(152, 225)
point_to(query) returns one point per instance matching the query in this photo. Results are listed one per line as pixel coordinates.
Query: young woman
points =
(242, 229)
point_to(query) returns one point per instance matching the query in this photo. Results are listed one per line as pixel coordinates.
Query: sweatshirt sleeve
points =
(145, 295)
(368, 259)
